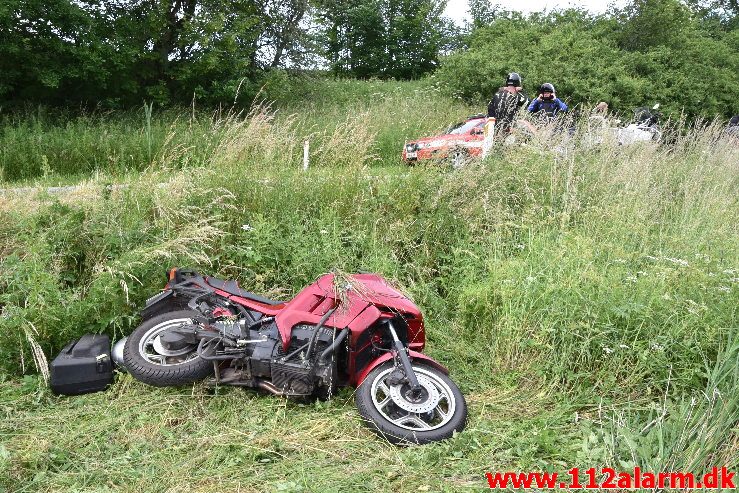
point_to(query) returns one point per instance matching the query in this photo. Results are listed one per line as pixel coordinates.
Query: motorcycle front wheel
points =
(401, 418)
(146, 358)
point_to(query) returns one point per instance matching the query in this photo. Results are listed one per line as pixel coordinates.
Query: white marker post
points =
(306, 152)
(488, 132)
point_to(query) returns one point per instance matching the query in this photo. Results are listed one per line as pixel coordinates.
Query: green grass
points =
(52, 146)
(584, 299)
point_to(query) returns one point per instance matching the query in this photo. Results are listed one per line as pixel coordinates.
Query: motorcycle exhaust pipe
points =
(270, 387)
(116, 354)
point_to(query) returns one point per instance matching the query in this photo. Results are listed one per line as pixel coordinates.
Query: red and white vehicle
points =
(458, 143)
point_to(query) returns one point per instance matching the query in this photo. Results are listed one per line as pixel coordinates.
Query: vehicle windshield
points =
(464, 128)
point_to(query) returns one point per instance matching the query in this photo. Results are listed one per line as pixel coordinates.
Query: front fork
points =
(400, 352)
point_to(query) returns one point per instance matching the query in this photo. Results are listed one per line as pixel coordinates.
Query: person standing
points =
(505, 104)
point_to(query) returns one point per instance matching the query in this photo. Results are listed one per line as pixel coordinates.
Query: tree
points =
(724, 11)
(649, 23)
(45, 47)
(383, 38)
(285, 37)
(120, 52)
(482, 12)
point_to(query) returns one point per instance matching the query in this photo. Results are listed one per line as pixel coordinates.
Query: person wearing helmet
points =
(506, 102)
(547, 102)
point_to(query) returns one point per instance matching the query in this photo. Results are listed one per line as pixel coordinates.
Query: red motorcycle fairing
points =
(361, 305)
(314, 301)
(415, 355)
(358, 308)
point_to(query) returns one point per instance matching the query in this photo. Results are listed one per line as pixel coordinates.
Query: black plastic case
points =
(83, 366)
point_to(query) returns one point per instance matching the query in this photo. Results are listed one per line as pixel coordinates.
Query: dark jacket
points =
(504, 105)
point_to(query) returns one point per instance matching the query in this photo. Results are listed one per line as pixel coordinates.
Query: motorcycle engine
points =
(292, 372)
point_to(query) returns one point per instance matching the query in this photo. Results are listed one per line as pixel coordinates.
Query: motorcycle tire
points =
(180, 367)
(401, 422)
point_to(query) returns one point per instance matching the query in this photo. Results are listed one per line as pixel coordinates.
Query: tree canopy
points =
(118, 53)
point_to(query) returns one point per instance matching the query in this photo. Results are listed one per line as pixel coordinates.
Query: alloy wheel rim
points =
(389, 403)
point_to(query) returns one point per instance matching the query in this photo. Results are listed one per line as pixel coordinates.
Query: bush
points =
(587, 59)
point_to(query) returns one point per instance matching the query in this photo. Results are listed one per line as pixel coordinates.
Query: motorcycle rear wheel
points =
(387, 412)
(148, 361)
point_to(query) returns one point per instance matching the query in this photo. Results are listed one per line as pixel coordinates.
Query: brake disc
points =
(431, 401)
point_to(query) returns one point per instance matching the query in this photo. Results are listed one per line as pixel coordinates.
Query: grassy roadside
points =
(135, 438)
(585, 300)
(44, 146)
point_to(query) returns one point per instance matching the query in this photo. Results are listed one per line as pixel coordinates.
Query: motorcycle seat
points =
(232, 287)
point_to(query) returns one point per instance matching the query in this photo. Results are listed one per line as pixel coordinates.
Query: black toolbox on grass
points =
(83, 366)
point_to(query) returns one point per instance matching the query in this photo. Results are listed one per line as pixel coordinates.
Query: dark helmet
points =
(547, 87)
(513, 79)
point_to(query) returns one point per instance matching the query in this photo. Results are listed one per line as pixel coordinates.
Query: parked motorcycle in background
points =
(355, 331)
(645, 127)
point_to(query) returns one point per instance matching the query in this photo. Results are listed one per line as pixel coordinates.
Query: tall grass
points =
(62, 147)
(560, 280)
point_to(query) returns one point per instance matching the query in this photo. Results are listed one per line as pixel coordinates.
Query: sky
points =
(457, 9)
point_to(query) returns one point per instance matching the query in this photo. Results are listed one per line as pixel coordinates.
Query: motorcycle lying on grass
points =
(340, 331)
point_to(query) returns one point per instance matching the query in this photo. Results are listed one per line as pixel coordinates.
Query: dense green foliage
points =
(384, 38)
(598, 284)
(117, 54)
(656, 51)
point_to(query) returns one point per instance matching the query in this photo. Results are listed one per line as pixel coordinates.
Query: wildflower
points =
(631, 278)
(677, 261)
(520, 246)
(724, 289)
(694, 307)
(657, 347)
(530, 278)
(619, 261)
(246, 227)
(623, 346)
(607, 350)
(324, 231)
(641, 273)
